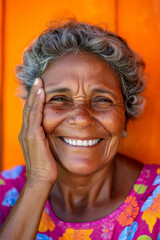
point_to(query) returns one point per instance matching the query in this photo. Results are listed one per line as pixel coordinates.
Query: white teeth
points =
(85, 144)
(78, 142)
(74, 142)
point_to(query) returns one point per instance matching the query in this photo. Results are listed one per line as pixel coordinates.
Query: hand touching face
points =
(40, 163)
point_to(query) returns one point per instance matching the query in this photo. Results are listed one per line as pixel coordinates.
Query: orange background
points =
(137, 21)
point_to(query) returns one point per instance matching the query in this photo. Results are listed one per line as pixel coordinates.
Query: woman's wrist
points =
(39, 180)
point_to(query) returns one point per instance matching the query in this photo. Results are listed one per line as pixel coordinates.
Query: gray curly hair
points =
(72, 37)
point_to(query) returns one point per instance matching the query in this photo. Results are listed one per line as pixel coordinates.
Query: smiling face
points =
(84, 114)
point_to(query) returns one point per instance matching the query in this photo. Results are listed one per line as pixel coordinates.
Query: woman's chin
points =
(79, 159)
(79, 166)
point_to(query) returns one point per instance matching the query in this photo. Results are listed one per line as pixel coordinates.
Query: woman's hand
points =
(41, 171)
(40, 163)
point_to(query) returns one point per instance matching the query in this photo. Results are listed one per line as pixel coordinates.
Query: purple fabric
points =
(137, 218)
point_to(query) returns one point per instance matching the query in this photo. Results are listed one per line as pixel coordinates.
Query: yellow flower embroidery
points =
(46, 223)
(72, 234)
(158, 171)
(151, 214)
(129, 213)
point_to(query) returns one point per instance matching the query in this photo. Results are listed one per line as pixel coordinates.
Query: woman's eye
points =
(59, 101)
(102, 103)
(104, 100)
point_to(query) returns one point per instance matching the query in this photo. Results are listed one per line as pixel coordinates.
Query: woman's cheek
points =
(52, 118)
(113, 121)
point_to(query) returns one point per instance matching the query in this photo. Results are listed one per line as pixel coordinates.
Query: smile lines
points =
(84, 143)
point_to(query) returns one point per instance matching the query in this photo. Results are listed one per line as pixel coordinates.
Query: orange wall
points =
(140, 24)
(24, 20)
(1, 76)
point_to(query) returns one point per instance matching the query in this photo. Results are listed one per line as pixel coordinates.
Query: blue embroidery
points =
(43, 237)
(158, 237)
(149, 201)
(12, 173)
(128, 232)
(157, 180)
(10, 198)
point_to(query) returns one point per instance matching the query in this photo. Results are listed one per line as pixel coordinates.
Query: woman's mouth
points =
(79, 142)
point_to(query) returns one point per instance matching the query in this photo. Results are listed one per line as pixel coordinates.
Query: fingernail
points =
(39, 91)
(36, 81)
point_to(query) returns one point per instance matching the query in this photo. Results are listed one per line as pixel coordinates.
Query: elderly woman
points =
(83, 84)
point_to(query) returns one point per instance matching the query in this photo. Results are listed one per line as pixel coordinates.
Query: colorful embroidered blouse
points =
(137, 218)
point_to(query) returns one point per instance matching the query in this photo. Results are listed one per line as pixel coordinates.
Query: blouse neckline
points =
(144, 179)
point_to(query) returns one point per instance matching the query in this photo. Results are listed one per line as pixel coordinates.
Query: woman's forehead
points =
(83, 70)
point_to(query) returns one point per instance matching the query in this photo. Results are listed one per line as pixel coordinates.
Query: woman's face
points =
(84, 114)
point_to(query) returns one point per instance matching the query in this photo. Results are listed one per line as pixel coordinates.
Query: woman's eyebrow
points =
(57, 90)
(99, 90)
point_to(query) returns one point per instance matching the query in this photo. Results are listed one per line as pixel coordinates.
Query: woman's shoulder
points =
(149, 182)
(140, 212)
(139, 171)
(143, 180)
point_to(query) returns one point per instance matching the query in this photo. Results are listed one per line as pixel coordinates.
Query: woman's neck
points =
(92, 188)
(86, 198)
(76, 194)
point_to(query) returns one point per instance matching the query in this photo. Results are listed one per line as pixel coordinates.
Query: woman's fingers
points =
(36, 114)
(40, 163)
(33, 92)
(29, 102)
(23, 136)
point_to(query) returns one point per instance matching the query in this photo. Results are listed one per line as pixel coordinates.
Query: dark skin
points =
(78, 100)
(89, 185)
(102, 205)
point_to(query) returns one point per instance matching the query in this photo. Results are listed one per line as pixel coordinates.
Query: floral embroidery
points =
(128, 232)
(158, 171)
(107, 231)
(123, 224)
(10, 198)
(158, 236)
(157, 180)
(12, 173)
(129, 213)
(151, 209)
(72, 234)
(46, 222)
(2, 182)
(144, 237)
(43, 237)
(140, 188)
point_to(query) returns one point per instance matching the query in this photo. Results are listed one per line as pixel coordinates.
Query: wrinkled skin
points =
(88, 104)
(78, 98)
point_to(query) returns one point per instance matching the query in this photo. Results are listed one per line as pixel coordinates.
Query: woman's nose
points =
(81, 116)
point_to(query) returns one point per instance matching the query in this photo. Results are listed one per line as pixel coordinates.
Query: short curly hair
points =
(72, 37)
